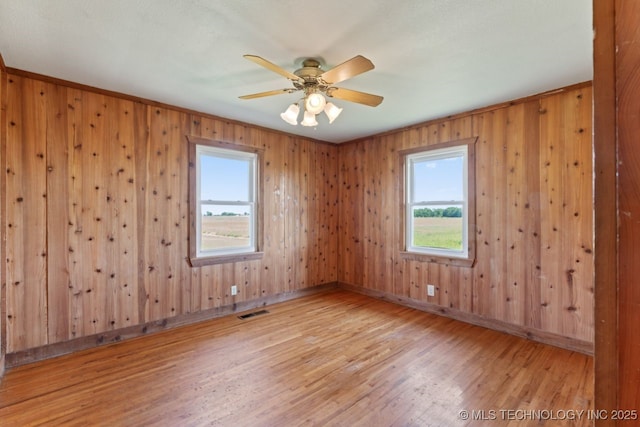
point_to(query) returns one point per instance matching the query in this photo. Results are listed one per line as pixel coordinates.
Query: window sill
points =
(458, 262)
(224, 259)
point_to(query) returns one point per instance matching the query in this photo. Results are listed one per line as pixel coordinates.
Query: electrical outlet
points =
(234, 290)
(431, 290)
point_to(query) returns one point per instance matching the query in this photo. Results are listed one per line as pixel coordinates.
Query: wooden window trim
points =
(469, 261)
(194, 259)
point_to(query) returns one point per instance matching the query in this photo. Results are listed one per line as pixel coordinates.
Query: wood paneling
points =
(26, 203)
(533, 216)
(383, 364)
(92, 230)
(166, 220)
(97, 214)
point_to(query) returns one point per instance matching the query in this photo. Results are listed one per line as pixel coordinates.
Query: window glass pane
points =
(225, 178)
(438, 227)
(438, 179)
(225, 226)
(436, 203)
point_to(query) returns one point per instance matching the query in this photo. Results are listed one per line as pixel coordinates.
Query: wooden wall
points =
(96, 217)
(533, 229)
(97, 214)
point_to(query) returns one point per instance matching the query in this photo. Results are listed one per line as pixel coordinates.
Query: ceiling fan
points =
(315, 83)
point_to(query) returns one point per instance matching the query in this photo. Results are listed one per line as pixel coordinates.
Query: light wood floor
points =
(330, 359)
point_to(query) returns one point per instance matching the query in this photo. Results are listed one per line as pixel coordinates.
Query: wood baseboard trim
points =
(84, 343)
(556, 340)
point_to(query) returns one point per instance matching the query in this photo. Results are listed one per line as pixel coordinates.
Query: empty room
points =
(264, 213)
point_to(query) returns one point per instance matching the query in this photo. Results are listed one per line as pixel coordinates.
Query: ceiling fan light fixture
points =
(309, 119)
(291, 115)
(332, 111)
(317, 84)
(314, 103)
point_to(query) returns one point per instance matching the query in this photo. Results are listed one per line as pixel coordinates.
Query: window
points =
(438, 203)
(224, 202)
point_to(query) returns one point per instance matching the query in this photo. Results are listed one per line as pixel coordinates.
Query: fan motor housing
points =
(309, 72)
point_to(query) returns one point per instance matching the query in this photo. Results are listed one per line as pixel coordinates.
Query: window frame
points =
(198, 146)
(435, 255)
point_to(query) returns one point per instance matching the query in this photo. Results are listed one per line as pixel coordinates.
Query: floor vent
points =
(255, 313)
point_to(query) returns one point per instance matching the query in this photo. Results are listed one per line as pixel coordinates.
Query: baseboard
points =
(36, 354)
(556, 340)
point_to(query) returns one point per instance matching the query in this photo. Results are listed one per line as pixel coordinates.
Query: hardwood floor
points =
(335, 358)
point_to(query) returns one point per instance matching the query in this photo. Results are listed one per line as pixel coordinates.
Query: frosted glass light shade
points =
(314, 103)
(291, 115)
(332, 111)
(309, 119)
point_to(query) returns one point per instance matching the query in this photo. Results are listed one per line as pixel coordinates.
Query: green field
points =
(441, 233)
(233, 231)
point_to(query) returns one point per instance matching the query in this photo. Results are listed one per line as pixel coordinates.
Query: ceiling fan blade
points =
(273, 67)
(355, 96)
(354, 66)
(268, 93)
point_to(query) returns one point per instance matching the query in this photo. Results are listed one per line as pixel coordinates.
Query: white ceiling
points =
(432, 58)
